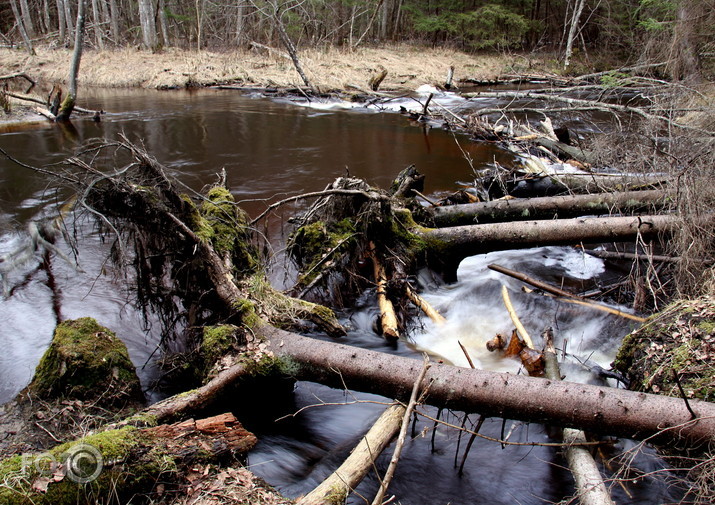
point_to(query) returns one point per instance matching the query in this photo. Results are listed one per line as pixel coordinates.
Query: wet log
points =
(596, 409)
(456, 243)
(549, 207)
(590, 487)
(347, 476)
(121, 462)
(388, 319)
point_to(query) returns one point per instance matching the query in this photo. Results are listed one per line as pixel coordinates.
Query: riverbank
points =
(329, 69)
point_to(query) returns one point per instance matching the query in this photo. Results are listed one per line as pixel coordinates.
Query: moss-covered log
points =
(114, 465)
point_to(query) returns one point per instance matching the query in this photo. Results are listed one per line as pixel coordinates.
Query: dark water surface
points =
(272, 150)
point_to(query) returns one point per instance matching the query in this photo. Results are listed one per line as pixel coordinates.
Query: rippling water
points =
(271, 149)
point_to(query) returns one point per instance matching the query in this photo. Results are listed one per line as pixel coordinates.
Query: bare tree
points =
(276, 10)
(27, 18)
(21, 27)
(96, 20)
(573, 30)
(68, 104)
(61, 23)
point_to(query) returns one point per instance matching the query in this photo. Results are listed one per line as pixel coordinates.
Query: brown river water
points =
(273, 149)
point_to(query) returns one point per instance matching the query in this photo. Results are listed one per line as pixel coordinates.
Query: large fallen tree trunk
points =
(456, 243)
(592, 408)
(548, 207)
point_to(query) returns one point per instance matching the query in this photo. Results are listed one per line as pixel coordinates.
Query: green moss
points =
(85, 361)
(217, 342)
(21, 472)
(247, 310)
(679, 339)
(220, 222)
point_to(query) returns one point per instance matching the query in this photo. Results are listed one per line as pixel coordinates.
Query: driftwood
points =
(375, 81)
(548, 207)
(458, 242)
(613, 255)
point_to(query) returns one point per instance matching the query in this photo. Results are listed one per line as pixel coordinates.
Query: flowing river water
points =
(271, 149)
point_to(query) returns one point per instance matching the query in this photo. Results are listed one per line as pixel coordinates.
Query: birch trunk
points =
(146, 19)
(573, 30)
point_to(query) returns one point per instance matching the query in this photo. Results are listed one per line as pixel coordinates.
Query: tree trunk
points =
(21, 27)
(68, 19)
(114, 21)
(96, 20)
(573, 29)
(61, 23)
(548, 207)
(69, 102)
(596, 409)
(290, 47)
(163, 24)
(456, 243)
(27, 18)
(146, 19)
(119, 463)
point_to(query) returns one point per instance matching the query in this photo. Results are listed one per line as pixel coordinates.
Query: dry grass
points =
(330, 68)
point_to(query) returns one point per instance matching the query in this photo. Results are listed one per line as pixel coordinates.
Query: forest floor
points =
(329, 69)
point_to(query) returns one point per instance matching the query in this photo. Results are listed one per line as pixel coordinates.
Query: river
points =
(272, 149)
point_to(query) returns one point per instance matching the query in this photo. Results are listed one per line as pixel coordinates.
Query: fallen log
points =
(456, 243)
(589, 484)
(388, 319)
(552, 207)
(347, 476)
(596, 409)
(119, 463)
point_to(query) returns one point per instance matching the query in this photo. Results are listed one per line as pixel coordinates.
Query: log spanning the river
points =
(458, 242)
(596, 409)
(567, 206)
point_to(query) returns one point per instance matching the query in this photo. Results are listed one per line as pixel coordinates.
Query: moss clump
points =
(217, 342)
(310, 243)
(86, 361)
(220, 222)
(114, 446)
(678, 340)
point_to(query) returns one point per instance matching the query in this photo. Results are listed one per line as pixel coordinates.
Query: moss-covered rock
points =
(86, 361)
(679, 339)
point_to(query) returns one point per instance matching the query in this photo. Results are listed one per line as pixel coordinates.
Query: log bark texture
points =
(553, 207)
(593, 408)
(456, 243)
